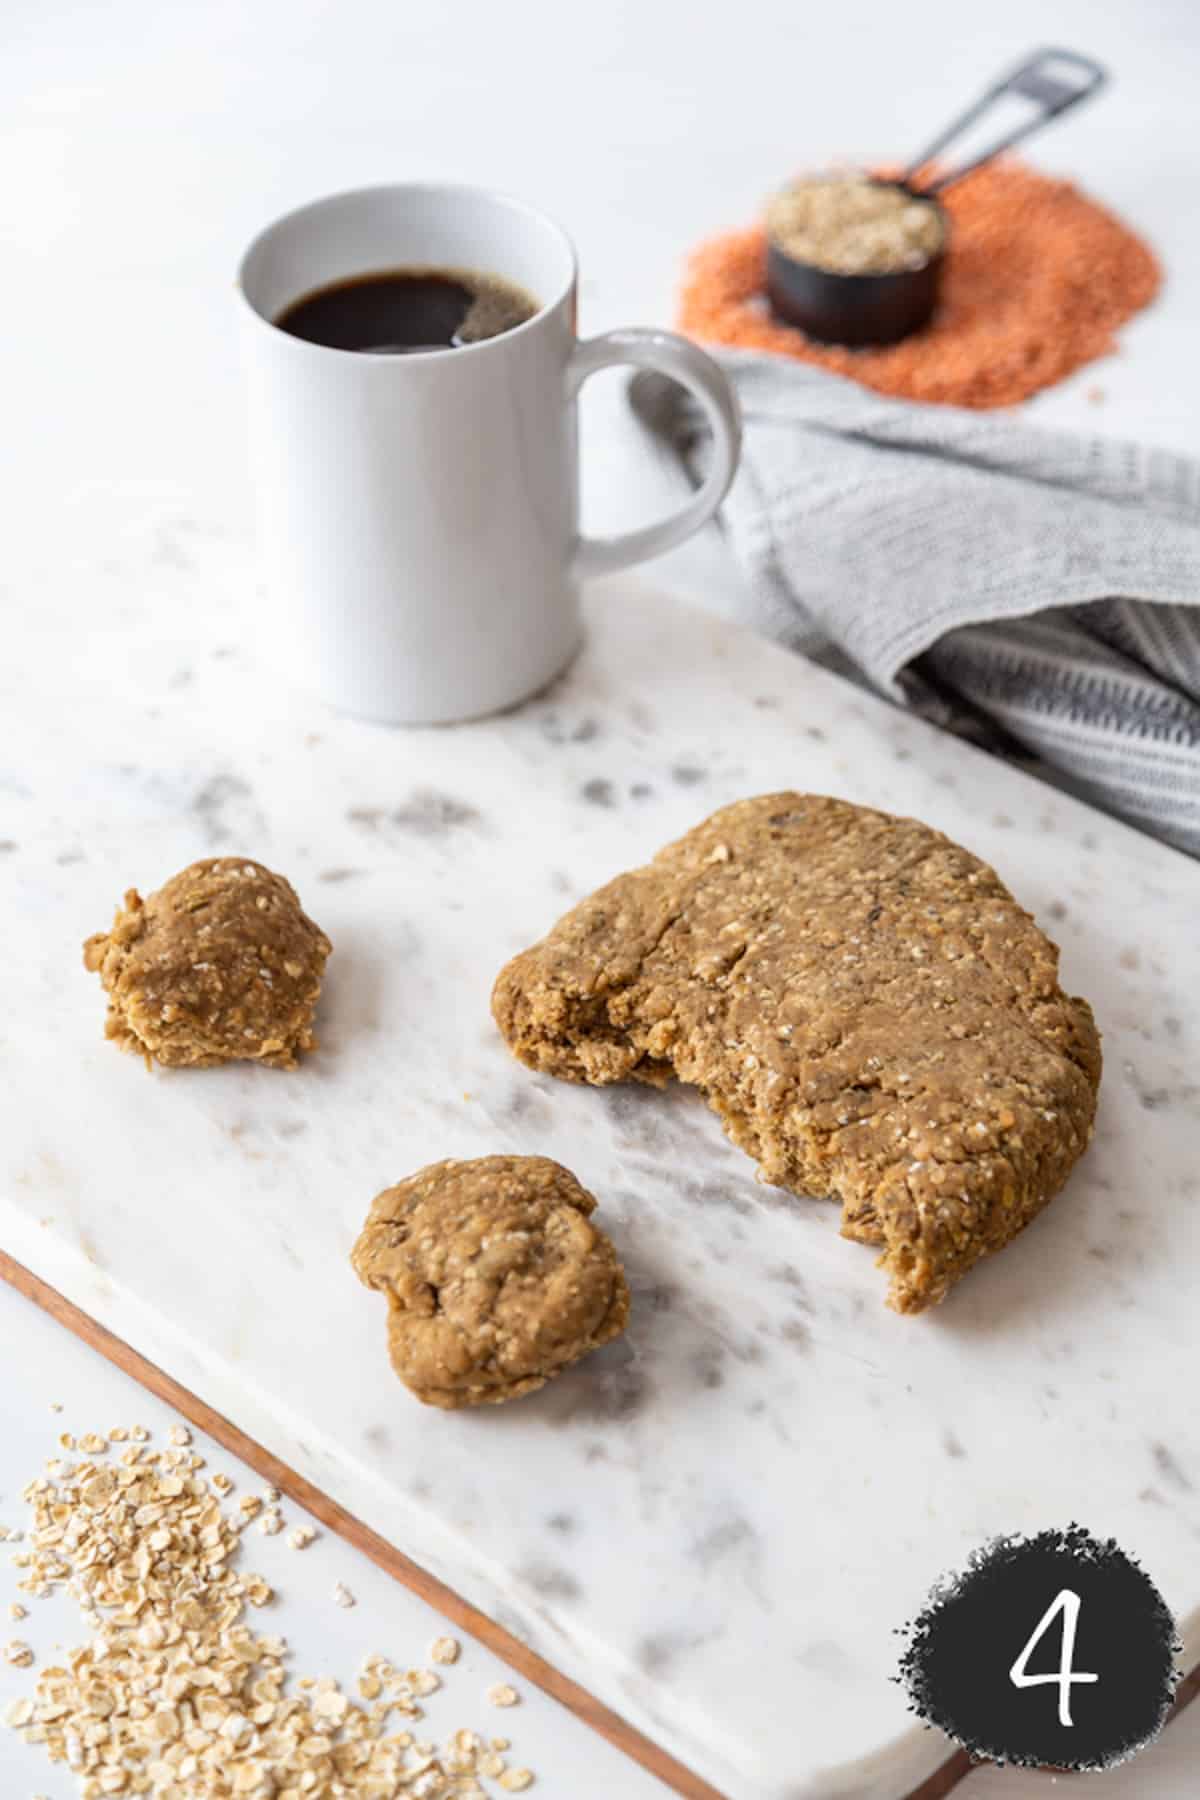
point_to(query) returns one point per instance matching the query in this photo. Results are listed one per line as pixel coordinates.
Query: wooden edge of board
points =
(935, 1786)
(383, 1554)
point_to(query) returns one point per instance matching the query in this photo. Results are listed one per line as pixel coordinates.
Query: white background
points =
(144, 143)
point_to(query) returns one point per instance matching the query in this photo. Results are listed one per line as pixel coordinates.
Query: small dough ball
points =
(220, 965)
(495, 1276)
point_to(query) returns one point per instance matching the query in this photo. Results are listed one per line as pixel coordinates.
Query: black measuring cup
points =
(881, 309)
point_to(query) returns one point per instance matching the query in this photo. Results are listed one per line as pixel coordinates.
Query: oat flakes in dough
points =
(496, 1279)
(219, 965)
(861, 1001)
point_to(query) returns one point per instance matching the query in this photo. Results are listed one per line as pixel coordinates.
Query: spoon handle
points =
(1052, 79)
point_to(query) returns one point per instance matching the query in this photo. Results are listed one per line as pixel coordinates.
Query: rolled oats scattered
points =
(444, 1650)
(138, 1434)
(175, 1696)
(501, 1694)
(342, 1595)
(179, 1434)
(16, 1611)
(270, 1522)
(221, 1484)
(92, 1444)
(329, 1703)
(301, 1537)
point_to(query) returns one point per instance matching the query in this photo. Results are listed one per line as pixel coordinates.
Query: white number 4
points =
(1067, 1603)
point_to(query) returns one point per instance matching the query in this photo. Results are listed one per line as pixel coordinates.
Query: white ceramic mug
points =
(418, 513)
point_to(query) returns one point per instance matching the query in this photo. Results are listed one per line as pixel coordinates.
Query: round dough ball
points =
(219, 965)
(495, 1276)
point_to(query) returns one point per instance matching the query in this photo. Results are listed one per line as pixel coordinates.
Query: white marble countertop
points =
(717, 1477)
(571, 1762)
(150, 142)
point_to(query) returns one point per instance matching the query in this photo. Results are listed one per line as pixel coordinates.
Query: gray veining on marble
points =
(718, 1522)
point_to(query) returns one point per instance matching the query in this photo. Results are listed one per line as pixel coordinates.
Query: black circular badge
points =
(1055, 1650)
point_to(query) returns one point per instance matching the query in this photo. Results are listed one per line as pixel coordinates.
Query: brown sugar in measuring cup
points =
(841, 305)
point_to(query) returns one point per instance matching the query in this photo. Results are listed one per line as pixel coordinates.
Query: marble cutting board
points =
(718, 1523)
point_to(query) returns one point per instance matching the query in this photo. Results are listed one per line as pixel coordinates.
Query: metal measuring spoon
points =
(834, 308)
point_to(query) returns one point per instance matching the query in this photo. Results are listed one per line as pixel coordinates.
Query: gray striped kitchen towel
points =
(1037, 591)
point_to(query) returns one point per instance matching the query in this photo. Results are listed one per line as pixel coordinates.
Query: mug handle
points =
(669, 355)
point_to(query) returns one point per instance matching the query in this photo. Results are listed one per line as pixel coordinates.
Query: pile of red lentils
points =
(1038, 278)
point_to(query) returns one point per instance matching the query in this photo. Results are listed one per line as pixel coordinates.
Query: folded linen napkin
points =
(1024, 587)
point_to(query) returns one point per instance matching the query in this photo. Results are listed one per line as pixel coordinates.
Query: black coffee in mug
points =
(397, 312)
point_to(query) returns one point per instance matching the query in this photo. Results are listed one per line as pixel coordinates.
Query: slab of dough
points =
(495, 1276)
(219, 965)
(861, 1001)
